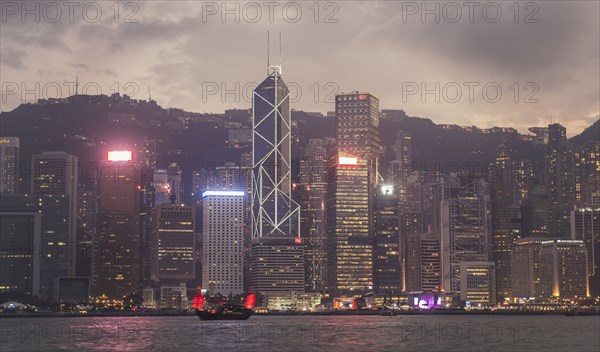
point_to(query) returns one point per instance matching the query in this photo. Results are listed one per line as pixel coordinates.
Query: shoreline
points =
(326, 313)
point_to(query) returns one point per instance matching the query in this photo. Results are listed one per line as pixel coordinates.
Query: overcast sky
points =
(545, 55)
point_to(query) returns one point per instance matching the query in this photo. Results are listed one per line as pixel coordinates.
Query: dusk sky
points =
(375, 46)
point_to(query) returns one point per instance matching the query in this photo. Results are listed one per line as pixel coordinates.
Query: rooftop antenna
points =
(268, 55)
(76, 85)
(279, 48)
(149, 95)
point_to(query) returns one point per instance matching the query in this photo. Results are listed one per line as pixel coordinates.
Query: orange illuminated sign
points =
(119, 155)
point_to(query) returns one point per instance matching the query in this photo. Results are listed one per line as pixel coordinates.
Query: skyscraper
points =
(116, 264)
(357, 129)
(175, 177)
(56, 173)
(502, 235)
(9, 164)
(525, 267)
(277, 254)
(585, 226)
(477, 283)
(20, 237)
(223, 242)
(310, 193)
(465, 227)
(387, 275)
(173, 244)
(349, 227)
(559, 179)
(563, 269)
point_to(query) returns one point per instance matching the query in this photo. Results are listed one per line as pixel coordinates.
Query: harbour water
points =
(304, 333)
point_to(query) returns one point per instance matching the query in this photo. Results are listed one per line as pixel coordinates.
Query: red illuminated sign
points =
(298, 240)
(362, 97)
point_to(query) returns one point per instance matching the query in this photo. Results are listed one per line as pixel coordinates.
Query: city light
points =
(344, 160)
(119, 155)
(222, 193)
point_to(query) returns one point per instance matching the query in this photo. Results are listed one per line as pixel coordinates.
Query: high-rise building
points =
(51, 253)
(175, 178)
(535, 213)
(563, 269)
(20, 237)
(310, 192)
(223, 242)
(55, 173)
(349, 227)
(429, 255)
(587, 171)
(146, 152)
(87, 222)
(173, 244)
(116, 266)
(559, 179)
(465, 227)
(277, 262)
(501, 196)
(387, 276)
(525, 267)
(357, 129)
(585, 226)
(9, 165)
(402, 164)
(477, 283)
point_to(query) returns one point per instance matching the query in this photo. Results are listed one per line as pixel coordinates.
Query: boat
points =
(225, 312)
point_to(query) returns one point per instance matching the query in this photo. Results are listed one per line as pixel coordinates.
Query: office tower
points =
(53, 253)
(310, 192)
(403, 150)
(223, 241)
(524, 175)
(349, 242)
(477, 283)
(525, 267)
(87, 222)
(161, 187)
(175, 178)
(387, 276)
(173, 244)
(55, 173)
(563, 269)
(9, 165)
(465, 227)
(20, 237)
(205, 179)
(430, 265)
(587, 171)
(357, 129)
(559, 179)
(535, 213)
(116, 266)
(501, 186)
(585, 226)
(277, 252)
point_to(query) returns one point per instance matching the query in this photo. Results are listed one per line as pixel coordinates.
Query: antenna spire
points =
(268, 54)
(279, 48)
(76, 85)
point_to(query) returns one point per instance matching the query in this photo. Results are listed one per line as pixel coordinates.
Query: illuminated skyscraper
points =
(502, 234)
(55, 173)
(585, 226)
(559, 179)
(563, 269)
(223, 242)
(477, 283)
(173, 244)
(386, 265)
(349, 240)
(525, 267)
(465, 227)
(310, 193)
(277, 254)
(117, 257)
(9, 164)
(357, 120)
